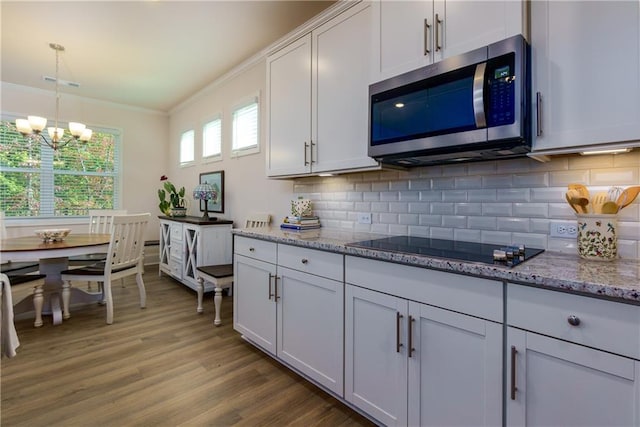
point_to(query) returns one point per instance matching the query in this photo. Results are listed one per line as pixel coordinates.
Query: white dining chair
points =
(221, 275)
(124, 258)
(99, 223)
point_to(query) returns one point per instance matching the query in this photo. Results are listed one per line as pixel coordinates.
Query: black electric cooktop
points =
(464, 251)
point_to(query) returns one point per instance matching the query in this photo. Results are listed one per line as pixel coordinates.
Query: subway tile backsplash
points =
(502, 202)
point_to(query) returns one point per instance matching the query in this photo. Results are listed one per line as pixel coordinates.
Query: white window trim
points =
(215, 157)
(254, 98)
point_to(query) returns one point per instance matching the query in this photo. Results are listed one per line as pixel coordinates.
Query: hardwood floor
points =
(160, 366)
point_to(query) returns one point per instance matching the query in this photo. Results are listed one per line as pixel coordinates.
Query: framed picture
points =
(216, 180)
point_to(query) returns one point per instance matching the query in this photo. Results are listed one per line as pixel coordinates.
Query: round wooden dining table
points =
(53, 257)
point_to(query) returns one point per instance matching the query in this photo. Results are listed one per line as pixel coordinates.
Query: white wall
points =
(247, 188)
(144, 145)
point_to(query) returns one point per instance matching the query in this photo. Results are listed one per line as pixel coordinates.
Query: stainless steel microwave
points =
(470, 107)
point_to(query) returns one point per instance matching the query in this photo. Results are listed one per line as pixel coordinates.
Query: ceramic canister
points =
(597, 236)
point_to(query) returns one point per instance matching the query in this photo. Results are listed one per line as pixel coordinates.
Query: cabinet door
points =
(310, 326)
(165, 245)
(586, 59)
(191, 243)
(402, 37)
(455, 371)
(376, 354)
(289, 109)
(341, 61)
(467, 25)
(564, 384)
(254, 306)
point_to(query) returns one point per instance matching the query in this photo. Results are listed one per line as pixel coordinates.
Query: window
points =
(187, 141)
(212, 138)
(36, 181)
(245, 127)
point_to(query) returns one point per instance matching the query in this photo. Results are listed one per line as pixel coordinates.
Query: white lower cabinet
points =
(289, 309)
(411, 363)
(571, 360)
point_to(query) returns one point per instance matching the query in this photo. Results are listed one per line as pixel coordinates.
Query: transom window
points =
(187, 142)
(212, 138)
(245, 127)
(36, 181)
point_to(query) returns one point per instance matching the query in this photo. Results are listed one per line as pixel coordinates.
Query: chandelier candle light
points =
(206, 192)
(33, 126)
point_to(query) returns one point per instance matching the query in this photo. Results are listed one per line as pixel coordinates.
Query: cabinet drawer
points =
(605, 325)
(469, 295)
(175, 265)
(175, 251)
(176, 232)
(320, 263)
(255, 248)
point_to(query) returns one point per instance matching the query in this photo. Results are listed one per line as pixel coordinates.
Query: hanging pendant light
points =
(33, 126)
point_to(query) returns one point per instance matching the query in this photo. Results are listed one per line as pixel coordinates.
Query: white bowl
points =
(53, 234)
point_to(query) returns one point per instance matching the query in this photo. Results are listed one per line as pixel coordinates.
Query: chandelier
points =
(32, 126)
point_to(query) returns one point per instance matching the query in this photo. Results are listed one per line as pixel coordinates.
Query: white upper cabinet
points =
(289, 109)
(586, 73)
(411, 34)
(317, 89)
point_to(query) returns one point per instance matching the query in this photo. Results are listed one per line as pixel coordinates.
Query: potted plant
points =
(174, 206)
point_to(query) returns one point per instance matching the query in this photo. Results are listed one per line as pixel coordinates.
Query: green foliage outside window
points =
(37, 181)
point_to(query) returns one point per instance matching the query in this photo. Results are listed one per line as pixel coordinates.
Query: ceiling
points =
(148, 54)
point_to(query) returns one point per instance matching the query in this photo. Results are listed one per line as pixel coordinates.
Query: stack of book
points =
(300, 222)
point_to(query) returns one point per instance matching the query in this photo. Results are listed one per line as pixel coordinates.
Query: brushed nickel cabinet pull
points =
(251, 249)
(438, 23)
(514, 352)
(275, 286)
(304, 260)
(305, 153)
(538, 114)
(410, 342)
(398, 343)
(311, 151)
(270, 277)
(426, 37)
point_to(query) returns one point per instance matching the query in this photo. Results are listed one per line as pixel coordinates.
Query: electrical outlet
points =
(567, 230)
(364, 218)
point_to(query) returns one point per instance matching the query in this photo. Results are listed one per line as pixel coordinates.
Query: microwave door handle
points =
(478, 96)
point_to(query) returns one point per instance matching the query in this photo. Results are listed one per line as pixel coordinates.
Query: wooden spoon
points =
(571, 204)
(580, 203)
(598, 200)
(610, 208)
(581, 189)
(628, 195)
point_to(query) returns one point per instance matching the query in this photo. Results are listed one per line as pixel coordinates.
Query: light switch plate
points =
(364, 218)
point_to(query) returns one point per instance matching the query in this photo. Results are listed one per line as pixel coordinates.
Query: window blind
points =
(245, 126)
(36, 181)
(212, 138)
(187, 141)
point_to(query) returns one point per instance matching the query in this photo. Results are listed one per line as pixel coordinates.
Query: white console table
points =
(190, 242)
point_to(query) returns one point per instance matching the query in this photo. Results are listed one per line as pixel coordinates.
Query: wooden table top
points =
(35, 243)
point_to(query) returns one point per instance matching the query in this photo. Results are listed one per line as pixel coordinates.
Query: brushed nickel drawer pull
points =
(304, 260)
(251, 249)
(573, 320)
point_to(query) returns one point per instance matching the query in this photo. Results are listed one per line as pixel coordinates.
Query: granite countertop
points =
(618, 280)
